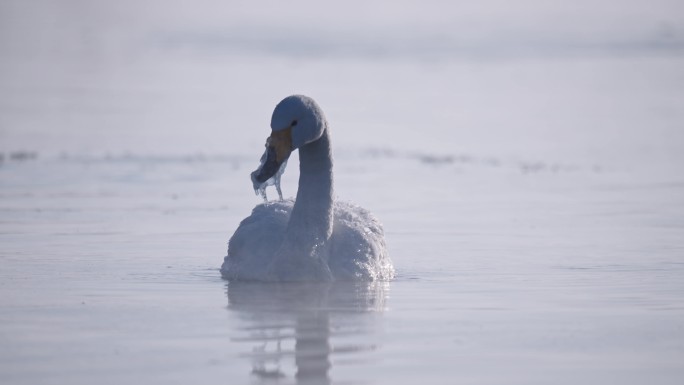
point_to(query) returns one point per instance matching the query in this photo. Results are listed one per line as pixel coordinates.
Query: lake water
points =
(527, 163)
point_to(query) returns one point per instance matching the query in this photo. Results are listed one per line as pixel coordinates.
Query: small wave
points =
(18, 156)
(439, 160)
(419, 45)
(149, 158)
(237, 161)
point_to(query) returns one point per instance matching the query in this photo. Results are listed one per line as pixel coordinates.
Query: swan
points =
(314, 237)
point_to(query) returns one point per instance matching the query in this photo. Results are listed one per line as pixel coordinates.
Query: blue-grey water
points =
(526, 160)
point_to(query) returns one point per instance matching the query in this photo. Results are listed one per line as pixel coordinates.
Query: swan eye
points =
(294, 123)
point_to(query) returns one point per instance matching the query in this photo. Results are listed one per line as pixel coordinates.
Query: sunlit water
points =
(532, 197)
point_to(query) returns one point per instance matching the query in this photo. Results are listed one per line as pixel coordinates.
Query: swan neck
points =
(313, 207)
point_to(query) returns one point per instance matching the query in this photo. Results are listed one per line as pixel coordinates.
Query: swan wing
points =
(358, 250)
(256, 240)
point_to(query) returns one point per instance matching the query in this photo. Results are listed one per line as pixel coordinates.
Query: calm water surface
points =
(532, 192)
(115, 280)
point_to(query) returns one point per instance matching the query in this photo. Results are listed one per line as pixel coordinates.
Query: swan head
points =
(297, 120)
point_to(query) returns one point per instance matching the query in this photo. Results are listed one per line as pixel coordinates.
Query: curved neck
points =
(312, 212)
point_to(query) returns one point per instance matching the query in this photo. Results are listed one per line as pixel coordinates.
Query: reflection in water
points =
(295, 320)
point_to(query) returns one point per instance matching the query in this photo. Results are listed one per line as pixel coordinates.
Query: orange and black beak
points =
(278, 149)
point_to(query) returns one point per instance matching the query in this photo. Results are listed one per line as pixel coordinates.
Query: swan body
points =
(315, 237)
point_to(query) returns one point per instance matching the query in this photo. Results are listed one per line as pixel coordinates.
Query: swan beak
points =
(281, 141)
(278, 149)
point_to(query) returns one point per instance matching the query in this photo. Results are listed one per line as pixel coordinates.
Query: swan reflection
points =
(296, 329)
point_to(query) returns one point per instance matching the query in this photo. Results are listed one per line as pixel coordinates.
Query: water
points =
(528, 173)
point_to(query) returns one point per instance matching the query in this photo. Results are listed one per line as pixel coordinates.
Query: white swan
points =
(314, 238)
